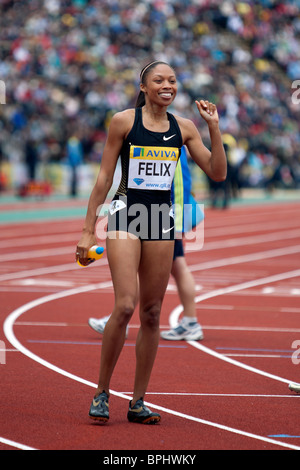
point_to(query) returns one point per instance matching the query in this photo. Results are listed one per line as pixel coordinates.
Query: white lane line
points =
(33, 254)
(242, 227)
(52, 228)
(57, 251)
(227, 290)
(48, 270)
(8, 331)
(274, 356)
(10, 320)
(196, 267)
(15, 444)
(211, 245)
(290, 310)
(220, 395)
(40, 240)
(45, 283)
(236, 224)
(265, 329)
(260, 255)
(42, 323)
(254, 239)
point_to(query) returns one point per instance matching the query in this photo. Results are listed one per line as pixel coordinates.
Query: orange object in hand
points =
(94, 253)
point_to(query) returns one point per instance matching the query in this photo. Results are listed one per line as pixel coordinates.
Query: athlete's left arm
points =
(213, 162)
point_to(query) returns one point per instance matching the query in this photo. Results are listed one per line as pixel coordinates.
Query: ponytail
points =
(140, 101)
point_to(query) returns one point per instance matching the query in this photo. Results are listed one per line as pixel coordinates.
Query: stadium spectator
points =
(72, 62)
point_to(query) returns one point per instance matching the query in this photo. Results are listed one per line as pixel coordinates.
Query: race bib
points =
(152, 167)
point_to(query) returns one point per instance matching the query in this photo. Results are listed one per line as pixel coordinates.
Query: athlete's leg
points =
(185, 285)
(124, 258)
(188, 328)
(154, 273)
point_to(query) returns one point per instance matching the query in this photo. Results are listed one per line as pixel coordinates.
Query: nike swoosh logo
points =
(96, 403)
(168, 138)
(166, 230)
(136, 410)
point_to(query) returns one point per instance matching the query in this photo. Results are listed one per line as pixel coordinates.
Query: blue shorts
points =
(178, 249)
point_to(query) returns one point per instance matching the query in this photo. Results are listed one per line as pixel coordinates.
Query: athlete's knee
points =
(124, 310)
(150, 315)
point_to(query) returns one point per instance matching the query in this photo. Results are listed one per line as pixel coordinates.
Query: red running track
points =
(229, 391)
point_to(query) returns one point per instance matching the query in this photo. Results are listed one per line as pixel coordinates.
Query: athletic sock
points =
(189, 321)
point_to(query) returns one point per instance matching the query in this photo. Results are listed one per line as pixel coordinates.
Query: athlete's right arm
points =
(120, 125)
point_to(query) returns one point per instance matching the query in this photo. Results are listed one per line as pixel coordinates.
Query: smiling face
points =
(159, 84)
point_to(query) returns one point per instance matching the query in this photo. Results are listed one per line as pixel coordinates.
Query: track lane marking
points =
(253, 239)
(48, 270)
(221, 395)
(173, 319)
(8, 331)
(260, 255)
(15, 444)
(260, 437)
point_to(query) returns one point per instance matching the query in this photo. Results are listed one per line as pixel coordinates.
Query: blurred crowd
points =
(68, 65)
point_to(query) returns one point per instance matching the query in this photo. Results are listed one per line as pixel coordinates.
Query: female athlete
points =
(140, 236)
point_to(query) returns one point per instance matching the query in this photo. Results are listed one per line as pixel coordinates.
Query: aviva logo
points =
(138, 152)
(154, 153)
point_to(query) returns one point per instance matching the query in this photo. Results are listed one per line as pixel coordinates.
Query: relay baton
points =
(94, 253)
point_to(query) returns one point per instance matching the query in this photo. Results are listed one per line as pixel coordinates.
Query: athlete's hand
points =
(87, 240)
(208, 111)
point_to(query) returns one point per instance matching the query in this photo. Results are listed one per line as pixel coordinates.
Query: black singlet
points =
(142, 203)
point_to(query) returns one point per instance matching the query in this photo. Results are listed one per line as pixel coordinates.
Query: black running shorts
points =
(146, 221)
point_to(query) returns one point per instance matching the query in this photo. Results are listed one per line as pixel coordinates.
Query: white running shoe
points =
(192, 332)
(294, 387)
(98, 324)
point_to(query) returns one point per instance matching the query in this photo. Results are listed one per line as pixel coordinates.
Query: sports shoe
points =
(190, 332)
(99, 408)
(98, 324)
(294, 387)
(139, 413)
